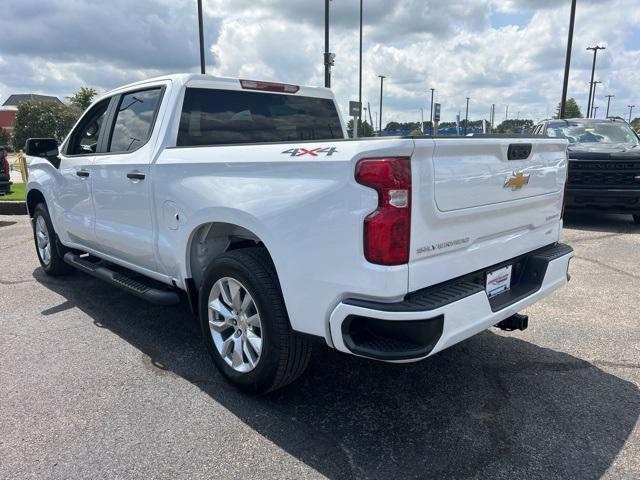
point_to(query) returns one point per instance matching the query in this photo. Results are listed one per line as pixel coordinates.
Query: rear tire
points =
(48, 248)
(245, 324)
(636, 219)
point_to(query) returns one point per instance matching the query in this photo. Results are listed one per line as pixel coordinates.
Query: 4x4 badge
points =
(517, 181)
(314, 152)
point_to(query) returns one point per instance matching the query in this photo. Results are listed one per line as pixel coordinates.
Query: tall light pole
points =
(567, 63)
(466, 117)
(328, 56)
(595, 111)
(631, 107)
(609, 97)
(593, 72)
(431, 115)
(506, 115)
(593, 100)
(382, 77)
(201, 34)
(422, 120)
(492, 115)
(360, 75)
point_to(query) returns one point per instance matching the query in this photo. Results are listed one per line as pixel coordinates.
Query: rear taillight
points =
(387, 230)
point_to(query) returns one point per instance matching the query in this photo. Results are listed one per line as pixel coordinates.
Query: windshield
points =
(593, 132)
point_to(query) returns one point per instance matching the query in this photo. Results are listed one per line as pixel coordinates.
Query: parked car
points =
(5, 172)
(604, 163)
(250, 198)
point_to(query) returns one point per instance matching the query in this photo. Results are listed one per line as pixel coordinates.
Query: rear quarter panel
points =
(307, 210)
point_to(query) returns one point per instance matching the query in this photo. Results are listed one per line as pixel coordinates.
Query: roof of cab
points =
(212, 81)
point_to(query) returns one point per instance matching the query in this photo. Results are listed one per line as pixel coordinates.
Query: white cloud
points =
(417, 44)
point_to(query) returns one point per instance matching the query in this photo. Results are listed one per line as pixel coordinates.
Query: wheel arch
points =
(210, 240)
(34, 197)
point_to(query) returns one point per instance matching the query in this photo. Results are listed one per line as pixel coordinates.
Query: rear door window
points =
(134, 120)
(219, 117)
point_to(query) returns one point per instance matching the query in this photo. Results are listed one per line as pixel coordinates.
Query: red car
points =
(5, 175)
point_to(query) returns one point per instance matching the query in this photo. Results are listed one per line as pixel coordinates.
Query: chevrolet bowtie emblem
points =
(517, 181)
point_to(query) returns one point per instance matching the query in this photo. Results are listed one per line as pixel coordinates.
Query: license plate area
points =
(498, 281)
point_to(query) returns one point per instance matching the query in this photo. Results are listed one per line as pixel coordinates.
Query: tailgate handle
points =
(519, 151)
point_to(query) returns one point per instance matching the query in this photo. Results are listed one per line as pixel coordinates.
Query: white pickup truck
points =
(249, 198)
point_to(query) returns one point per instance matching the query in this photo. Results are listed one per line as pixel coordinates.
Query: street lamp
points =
(593, 101)
(360, 75)
(631, 107)
(567, 64)
(466, 117)
(595, 111)
(201, 34)
(329, 58)
(609, 97)
(431, 116)
(382, 77)
(593, 72)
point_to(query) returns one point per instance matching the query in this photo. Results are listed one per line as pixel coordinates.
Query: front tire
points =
(245, 324)
(48, 248)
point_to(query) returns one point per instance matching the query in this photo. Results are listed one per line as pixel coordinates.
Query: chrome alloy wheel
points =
(43, 241)
(235, 325)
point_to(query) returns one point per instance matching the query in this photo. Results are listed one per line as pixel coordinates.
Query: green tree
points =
(42, 120)
(572, 110)
(366, 129)
(636, 124)
(83, 98)
(5, 137)
(513, 126)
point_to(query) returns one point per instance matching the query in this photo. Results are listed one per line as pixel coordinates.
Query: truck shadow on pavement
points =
(600, 222)
(491, 407)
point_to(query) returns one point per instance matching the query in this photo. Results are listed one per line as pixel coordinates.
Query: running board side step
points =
(117, 279)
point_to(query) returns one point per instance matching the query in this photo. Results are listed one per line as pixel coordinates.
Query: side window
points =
(86, 137)
(134, 120)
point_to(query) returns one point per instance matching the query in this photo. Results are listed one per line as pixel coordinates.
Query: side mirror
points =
(42, 147)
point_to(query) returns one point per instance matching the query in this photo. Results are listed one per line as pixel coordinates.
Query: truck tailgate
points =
(480, 201)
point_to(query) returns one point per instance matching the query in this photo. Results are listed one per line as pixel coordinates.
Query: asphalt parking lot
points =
(97, 384)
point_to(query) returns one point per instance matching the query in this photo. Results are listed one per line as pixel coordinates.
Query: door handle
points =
(82, 173)
(135, 175)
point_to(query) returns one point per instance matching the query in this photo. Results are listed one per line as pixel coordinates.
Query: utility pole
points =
(431, 115)
(382, 77)
(609, 97)
(328, 56)
(567, 63)
(422, 120)
(593, 100)
(506, 115)
(493, 115)
(201, 33)
(360, 74)
(631, 107)
(593, 72)
(595, 112)
(466, 118)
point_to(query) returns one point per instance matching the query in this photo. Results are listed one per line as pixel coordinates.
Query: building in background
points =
(9, 108)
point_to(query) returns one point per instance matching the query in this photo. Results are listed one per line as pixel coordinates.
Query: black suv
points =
(5, 184)
(604, 163)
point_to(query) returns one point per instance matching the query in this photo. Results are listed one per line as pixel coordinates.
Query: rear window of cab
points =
(226, 117)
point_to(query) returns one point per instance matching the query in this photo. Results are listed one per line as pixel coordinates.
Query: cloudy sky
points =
(508, 52)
